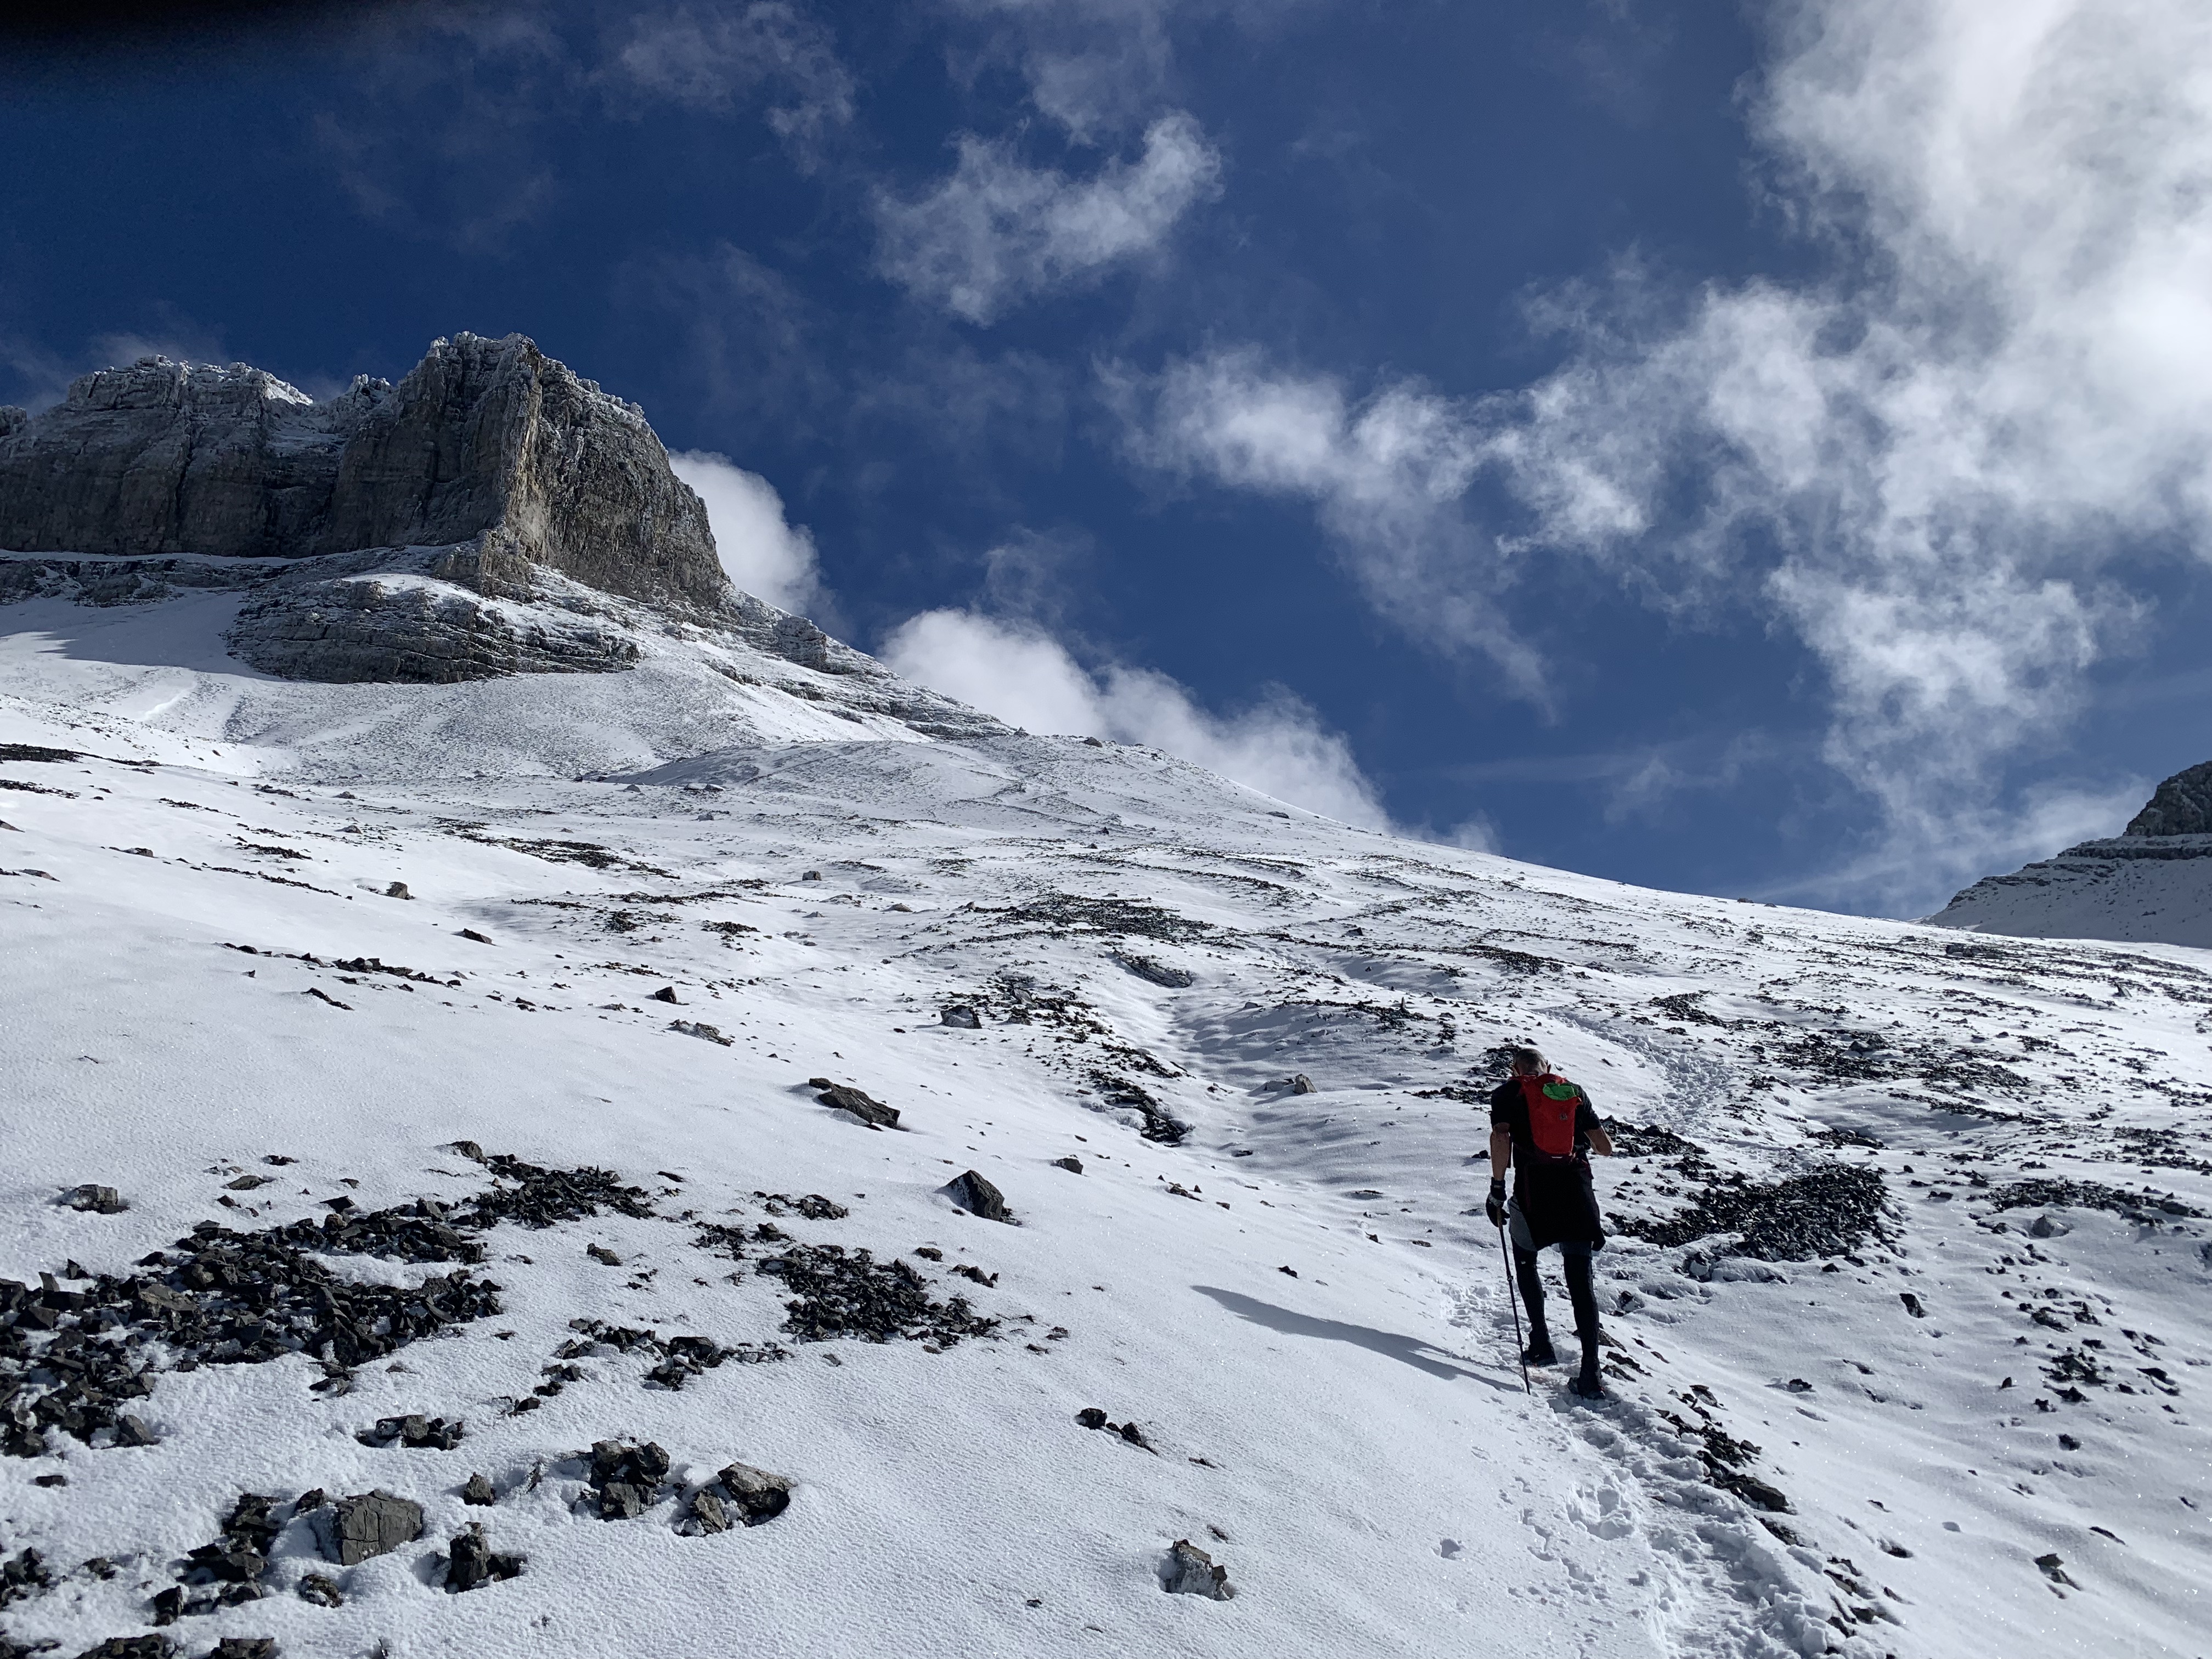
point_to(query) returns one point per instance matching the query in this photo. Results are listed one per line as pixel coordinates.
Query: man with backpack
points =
(1544, 1128)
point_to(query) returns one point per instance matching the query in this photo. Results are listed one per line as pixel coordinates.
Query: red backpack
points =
(1553, 1104)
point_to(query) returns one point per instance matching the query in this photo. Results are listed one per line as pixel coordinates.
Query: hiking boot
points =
(1587, 1385)
(1540, 1352)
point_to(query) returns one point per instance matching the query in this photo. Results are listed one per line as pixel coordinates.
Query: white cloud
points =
(716, 58)
(1385, 474)
(1025, 676)
(996, 231)
(765, 555)
(1090, 64)
(1930, 459)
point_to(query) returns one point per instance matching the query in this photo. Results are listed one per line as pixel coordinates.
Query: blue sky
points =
(1764, 450)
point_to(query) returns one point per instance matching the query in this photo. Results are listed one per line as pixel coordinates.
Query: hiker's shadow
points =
(1410, 1350)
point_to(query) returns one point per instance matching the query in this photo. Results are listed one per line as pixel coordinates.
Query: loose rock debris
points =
(1830, 1210)
(413, 1433)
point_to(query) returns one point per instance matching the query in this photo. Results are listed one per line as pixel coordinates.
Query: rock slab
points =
(371, 1524)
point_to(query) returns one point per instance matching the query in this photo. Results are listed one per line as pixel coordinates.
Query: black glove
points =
(1495, 1207)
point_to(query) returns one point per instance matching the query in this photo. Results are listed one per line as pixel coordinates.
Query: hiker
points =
(1544, 1128)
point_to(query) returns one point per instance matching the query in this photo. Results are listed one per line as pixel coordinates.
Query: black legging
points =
(1576, 1260)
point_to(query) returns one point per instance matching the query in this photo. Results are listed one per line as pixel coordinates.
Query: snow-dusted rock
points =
(2153, 882)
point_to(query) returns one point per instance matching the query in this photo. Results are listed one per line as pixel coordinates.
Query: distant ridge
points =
(2150, 884)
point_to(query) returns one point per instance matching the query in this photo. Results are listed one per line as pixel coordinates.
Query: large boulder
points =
(483, 439)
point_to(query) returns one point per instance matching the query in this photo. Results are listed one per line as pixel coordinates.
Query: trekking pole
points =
(1513, 1297)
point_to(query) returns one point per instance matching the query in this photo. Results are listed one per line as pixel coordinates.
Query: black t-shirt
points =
(1509, 1110)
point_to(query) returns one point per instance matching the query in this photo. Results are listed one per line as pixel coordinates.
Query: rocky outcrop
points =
(2182, 806)
(388, 626)
(491, 515)
(481, 438)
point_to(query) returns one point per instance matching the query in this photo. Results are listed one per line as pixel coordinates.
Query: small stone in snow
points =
(1292, 1272)
(398, 890)
(1072, 1165)
(95, 1199)
(132, 1431)
(479, 1491)
(843, 1097)
(666, 994)
(1092, 1418)
(758, 1495)
(601, 1253)
(964, 1018)
(708, 1511)
(322, 1591)
(471, 1563)
(1190, 1571)
(1912, 1304)
(973, 1194)
(471, 933)
(1302, 1084)
(2055, 1571)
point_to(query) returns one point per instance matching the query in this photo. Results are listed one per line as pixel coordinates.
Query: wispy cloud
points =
(739, 334)
(764, 552)
(1094, 66)
(1385, 473)
(719, 59)
(1027, 676)
(40, 375)
(1928, 458)
(996, 231)
(450, 134)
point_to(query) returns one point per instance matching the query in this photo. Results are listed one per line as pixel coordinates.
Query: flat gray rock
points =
(371, 1524)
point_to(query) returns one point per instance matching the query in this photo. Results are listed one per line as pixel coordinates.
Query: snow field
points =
(1384, 1484)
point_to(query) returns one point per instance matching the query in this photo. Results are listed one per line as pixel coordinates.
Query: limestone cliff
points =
(483, 439)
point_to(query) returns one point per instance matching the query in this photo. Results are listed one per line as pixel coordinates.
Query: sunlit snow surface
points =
(1352, 1443)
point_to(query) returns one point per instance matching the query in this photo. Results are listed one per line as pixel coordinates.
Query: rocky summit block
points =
(482, 437)
(2182, 806)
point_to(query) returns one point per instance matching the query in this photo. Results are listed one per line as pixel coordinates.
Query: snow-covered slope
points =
(2129, 887)
(1907, 1295)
